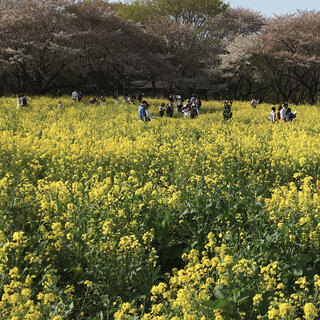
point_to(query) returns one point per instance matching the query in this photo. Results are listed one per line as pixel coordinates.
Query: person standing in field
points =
(125, 98)
(60, 93)
(193, 111)
(116, 97)
(19, 101)
(22, 101)
(139, 96)
(227, 113)
(75, 95)
(193, 98)
(142, 111)
(254, 103)
(186, 106)
(169, 110)
(272, 116)
(198, 104)
(162, 109)
(179, 104)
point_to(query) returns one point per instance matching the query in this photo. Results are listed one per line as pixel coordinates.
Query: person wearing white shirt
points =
(283, 112)
(19, 101)
(149, 116)
(272, 116)
(75, 95)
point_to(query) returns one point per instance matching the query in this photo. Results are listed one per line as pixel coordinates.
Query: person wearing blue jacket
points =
(142, 111)
(290, 116)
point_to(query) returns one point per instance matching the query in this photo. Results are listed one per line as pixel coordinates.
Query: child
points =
(272, 116)
(162, 109)
(290, 116)
(278, 113)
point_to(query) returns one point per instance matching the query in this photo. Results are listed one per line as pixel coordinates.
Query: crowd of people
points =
(189, 108)
(282, 113)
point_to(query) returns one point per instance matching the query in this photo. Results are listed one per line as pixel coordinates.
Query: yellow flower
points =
(14, 273)
(272, 313)
(257, 299)
(26, 292)
(310, 311)
(283, 309)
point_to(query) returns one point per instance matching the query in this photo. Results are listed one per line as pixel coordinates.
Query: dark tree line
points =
(180, 45)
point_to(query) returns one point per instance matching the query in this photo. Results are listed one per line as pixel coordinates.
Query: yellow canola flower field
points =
(103, 216)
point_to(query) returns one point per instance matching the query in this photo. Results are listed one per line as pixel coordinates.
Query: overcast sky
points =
(269, 7)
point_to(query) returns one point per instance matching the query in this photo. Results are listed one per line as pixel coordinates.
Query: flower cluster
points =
(105, 216)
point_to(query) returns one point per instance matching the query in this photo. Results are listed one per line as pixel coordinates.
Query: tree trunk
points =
(154, 89)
